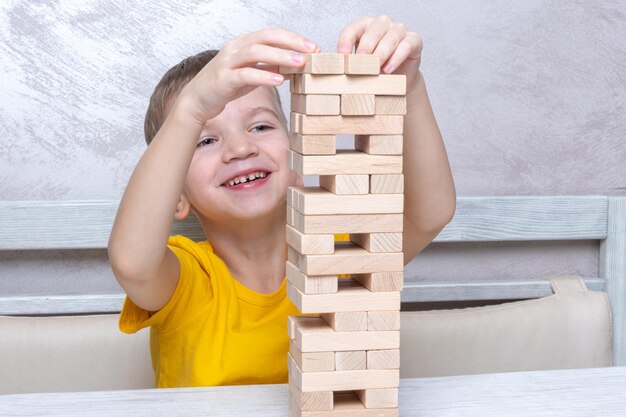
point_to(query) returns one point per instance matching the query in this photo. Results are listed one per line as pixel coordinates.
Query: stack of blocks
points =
(345, 361)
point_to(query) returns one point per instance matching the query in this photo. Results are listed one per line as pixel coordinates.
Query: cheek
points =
(189, 190)
(279, 155)
(283, 143)
(280, 151)
(201, 173)
(277, 149)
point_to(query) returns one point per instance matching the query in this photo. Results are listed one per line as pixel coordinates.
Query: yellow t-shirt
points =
(214, 330)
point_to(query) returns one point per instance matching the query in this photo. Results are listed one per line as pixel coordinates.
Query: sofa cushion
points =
(71, 353)
(570, 329)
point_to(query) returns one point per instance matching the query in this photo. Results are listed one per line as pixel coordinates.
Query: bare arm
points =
(138, 253)
(141, 261)
(429, 194)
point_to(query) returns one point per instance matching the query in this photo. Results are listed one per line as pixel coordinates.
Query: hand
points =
(399, 50)
(245, 63)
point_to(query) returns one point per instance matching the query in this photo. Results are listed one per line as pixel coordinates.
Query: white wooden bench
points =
(76, 225)
(54, 225)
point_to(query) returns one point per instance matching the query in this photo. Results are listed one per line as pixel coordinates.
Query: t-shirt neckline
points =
(260, 299)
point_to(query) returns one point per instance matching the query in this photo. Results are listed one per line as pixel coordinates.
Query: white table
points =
(571, 393)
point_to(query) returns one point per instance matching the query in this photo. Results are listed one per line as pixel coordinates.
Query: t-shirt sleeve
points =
(193, 291)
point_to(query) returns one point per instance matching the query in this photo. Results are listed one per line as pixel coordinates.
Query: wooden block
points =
(312, 361)
(310, 243)
(313, 144)
(356, 105)
(348, 259)
(381, 281)
(346, 404)
(323, 284)
(295, 83)
(319, 63)
(311, 401)
(383, 359)
(362, 64)
(344, 380)
(378, 398)
(351, 360)
(348, 321)
(345, 223)
(304, 321)
(349, 125)
(378, 242)
(383, 320)
(384, 84)
(346, 184)
(352, 299)
(390, 105)
(379, 144)
(315, 200)
(386, 183)
(315, 104)
(318, 336)
(345, 162)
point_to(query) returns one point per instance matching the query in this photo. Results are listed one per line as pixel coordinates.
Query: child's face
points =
(247, 140)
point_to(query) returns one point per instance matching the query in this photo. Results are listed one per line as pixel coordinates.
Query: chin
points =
(254, 212)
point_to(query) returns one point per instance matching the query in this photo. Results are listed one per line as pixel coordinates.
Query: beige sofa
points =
(570, 329)
(71, 353)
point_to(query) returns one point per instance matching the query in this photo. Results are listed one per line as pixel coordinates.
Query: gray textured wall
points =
(530, 97)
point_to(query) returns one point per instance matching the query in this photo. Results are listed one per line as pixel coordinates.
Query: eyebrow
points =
(251, 111)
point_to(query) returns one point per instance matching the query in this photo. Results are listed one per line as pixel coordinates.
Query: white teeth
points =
(250, 177)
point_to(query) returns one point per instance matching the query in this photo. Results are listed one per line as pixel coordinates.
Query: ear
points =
(183, 208)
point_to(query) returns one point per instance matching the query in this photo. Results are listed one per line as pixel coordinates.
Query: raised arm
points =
(141, 261)
(429, 194)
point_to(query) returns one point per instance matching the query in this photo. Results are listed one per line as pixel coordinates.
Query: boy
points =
(217, 147)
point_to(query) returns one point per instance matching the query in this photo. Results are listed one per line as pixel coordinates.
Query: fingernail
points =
(310, 45)
(297, 58)
(277, 78)
(388, 68)
(344, 48)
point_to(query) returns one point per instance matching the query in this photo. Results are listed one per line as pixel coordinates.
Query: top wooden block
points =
(318, 64)
(332, 63)
(362, 64)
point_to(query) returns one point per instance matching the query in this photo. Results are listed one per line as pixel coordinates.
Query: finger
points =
(351, 34)
(256, 53)
(409, 48)
(266, 67)
(249, 76)
(390, 41)
(375, 31)
(281, 38)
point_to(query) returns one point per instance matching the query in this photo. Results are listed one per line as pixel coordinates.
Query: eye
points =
(205, 141)
(262, 128)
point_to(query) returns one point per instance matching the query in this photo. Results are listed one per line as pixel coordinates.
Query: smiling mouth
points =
(251, 177)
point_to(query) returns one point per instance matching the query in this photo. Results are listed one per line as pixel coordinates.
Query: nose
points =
(239, 146)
